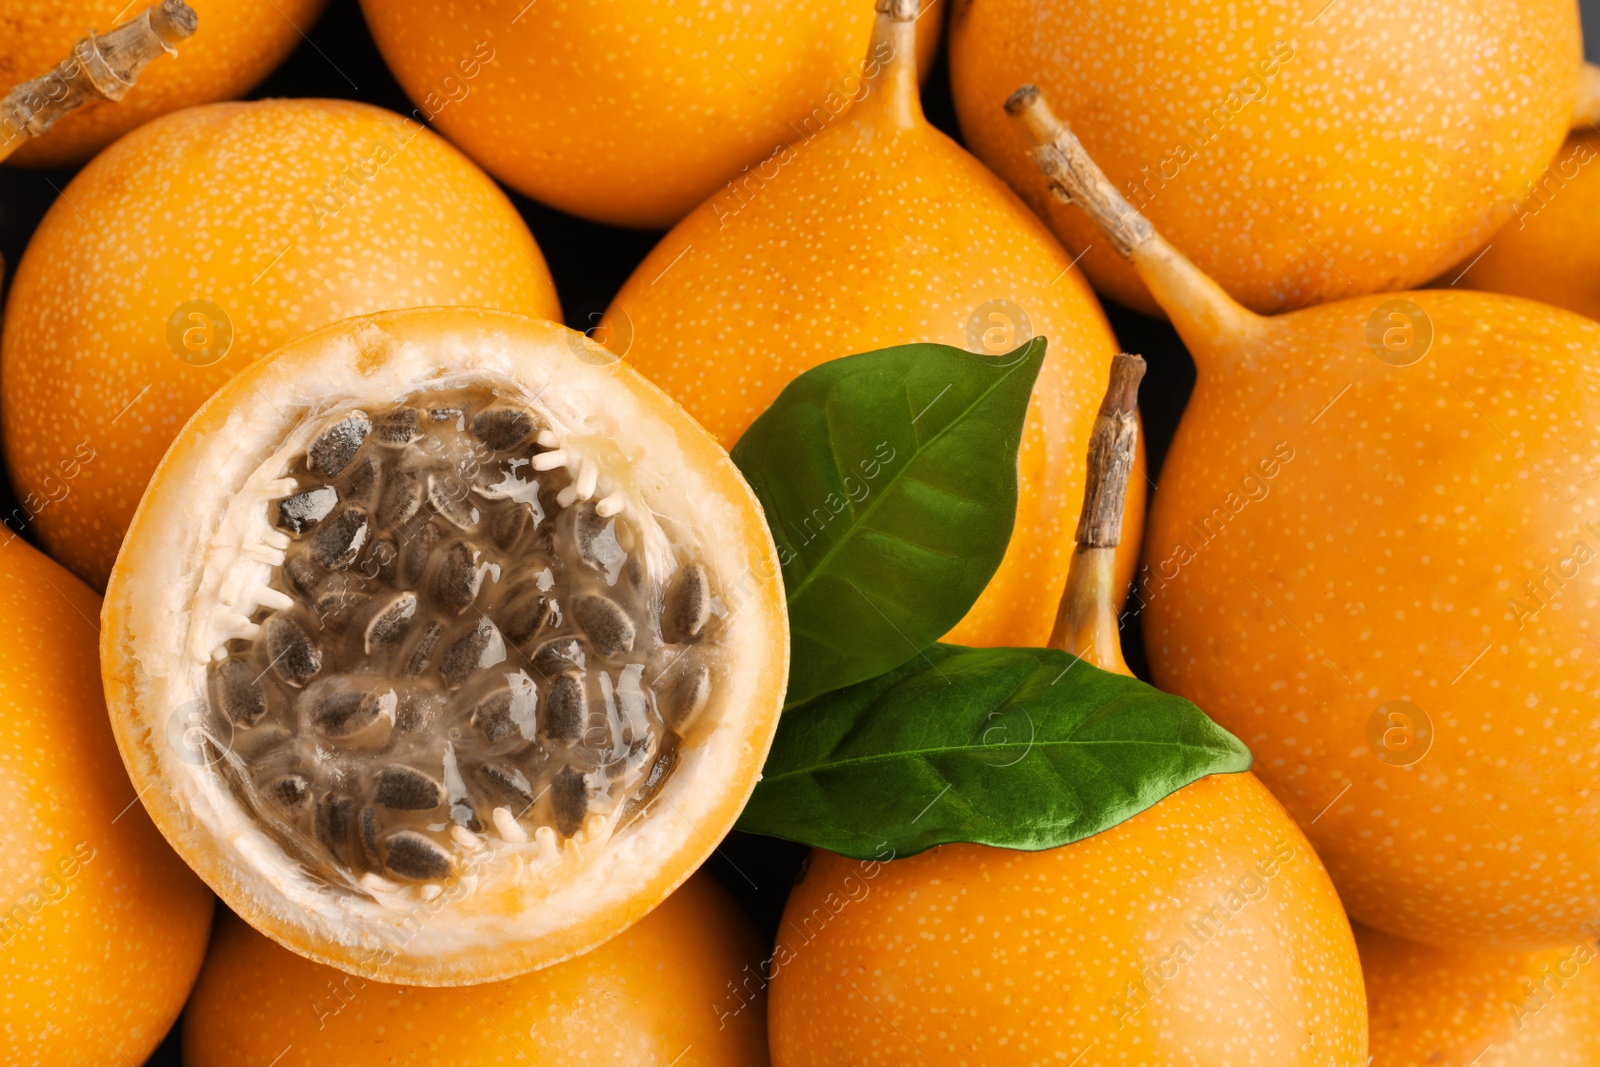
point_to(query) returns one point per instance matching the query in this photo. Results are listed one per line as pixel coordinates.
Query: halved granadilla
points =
(444, 646)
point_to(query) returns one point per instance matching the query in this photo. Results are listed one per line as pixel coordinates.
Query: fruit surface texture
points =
(1459, 1007)
(240, 42)
(881, 231)
(628, 113)
(199, 243)
(476, 641)
(640, 999)
(1202, 930)
(103, 926)
(1371, 559)
(1298, 155)
(1375, 576)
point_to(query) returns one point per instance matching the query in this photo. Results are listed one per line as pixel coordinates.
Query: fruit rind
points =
(485, 925)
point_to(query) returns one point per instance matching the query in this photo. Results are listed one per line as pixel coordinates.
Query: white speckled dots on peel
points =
(879, 231)
(102, 927)
(1300, 152)
(1463, 1007)
(280, 216)
(1201, 930)
(1372, 558)
(1381, 565)
(629, 112)
(639, 1000)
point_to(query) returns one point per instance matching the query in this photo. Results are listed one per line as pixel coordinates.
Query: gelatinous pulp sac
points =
(459, 642)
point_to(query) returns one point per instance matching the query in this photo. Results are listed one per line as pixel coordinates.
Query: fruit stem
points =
(891, 63)
(1587, 112)
(1086, 621)
(100, 68)
(1206, 317)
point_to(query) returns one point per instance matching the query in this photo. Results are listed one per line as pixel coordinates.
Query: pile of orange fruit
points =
(1358, 242)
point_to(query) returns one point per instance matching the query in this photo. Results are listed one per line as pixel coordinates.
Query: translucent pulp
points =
(459, 643)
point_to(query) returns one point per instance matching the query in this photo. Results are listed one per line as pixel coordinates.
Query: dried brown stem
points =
(1209, 320)
(1112, 444)
(101, 67)
(1086, 621)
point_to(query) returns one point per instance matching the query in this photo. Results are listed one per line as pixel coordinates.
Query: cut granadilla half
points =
(444, 646)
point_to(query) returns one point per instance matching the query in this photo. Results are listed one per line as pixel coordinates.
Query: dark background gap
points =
(589, 262)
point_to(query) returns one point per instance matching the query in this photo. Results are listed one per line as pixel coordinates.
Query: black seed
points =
(402, 498)
(502, 428)
(455, 583)
(291, 791)
(295, 659)
(470, 651)
(413, 856)
(690, 695)
(508, 714)
(391, 624)
(569, 800)
(423, 649)
(410, 713)
(406, 789)
(343, 712)
(566, 710)
(361, 482)
(335, 819)
(239, 686)
(608, 626)
(399, 427)
(302, 574)
(506, 783)
(522, 616)
(336, 544)
(300, 512)
(414, 553)
(369, 837)
(558, 654)
(691, 602)
(448, 495)
(444, 414)
(338, 445)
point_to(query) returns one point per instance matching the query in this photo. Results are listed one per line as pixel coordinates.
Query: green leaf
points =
(889, 480)
(1025, 748)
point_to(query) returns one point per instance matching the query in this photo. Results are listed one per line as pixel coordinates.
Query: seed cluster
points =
(467, 646)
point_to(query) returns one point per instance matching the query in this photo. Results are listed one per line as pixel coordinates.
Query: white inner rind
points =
(213, 573)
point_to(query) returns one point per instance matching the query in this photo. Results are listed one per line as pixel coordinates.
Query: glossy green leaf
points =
(1021, 748)
(889, 480)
